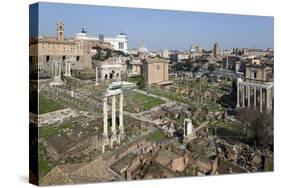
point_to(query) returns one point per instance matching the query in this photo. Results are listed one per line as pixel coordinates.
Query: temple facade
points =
(256, 90)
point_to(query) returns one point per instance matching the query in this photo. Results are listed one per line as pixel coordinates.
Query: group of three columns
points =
(110, 139)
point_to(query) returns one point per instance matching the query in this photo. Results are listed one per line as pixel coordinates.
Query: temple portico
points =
(257, 95)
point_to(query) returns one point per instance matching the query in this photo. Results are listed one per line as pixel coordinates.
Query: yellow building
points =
(155, 70)
(44, 50)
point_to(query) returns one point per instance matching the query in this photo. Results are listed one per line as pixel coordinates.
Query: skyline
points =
(178, 29)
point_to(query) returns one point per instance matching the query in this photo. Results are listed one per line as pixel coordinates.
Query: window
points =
(121, 45)
(158, 67)
(77, 58)
(63, 58)
(47, 58)
(255, 74)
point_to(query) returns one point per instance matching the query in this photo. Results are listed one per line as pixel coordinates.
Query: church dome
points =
(142, 49)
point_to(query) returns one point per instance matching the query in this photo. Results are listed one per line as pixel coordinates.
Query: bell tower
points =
(60, 31)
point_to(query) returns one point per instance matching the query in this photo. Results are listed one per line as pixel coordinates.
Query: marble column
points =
(59, 73)
(55, 69)
(268, 99)
(121, 126)
(52, 66)
(255, 97)
(184, 129)
(243, 96)
(238, 101)
(69, 68)
(261, 99)
(249, 96)
(97, 81)
(105, 126)
(113, 106)
(66, 69)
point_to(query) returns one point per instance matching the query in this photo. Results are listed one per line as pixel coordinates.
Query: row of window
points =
(63, 58)
(71, 49)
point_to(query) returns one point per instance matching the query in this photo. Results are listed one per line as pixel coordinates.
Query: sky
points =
(159, 29)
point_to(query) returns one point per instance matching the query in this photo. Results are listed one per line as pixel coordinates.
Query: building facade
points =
(119, 43)
(45, 50)
(256, 90)
(113, 68)
(155, 70)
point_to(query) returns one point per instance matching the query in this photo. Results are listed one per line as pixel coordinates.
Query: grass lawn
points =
(270, 166)
(156, 136)
(47, 105)
(193, 101)
(144, 102)
(225, 129)
(48, 131)
(44, 166)
(84, 74)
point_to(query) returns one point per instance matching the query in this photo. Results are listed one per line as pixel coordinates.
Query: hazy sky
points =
(158, 29)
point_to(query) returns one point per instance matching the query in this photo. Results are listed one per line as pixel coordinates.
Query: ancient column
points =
(113, 106)
(59, 73)
(97, 82)
(55, 69)
(268, 99)
(66, 69)
(243, 96)
(238, 102)
(255, 97)
(260, 99)
(105, 132)
(189, 128)
(184, 129)
(52, 66)
(69, 68)
(121, 126)
(249, 96)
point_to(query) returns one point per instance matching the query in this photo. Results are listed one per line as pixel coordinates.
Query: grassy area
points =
(84, 74)
(195, 100)
(44, 166)
(139, 80)
(144, 102)
(224, 129)
(156, 136)
(48, 131)
(270, 166)
(47, 105)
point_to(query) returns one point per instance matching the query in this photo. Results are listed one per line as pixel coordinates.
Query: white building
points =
(183, 55)
(113, 68)
(120, 42)
(165, 53)
(134, 68)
